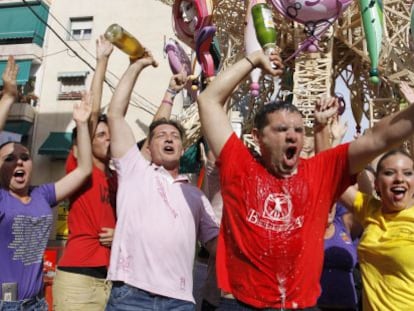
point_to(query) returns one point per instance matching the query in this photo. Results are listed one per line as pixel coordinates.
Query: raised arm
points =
(9, 90)
(122, 138)
(388, 133)
(176, 84)
(408, 94)
(325, 109)
(104, 49)
(72, 181)
(214, 121)
(338, 130)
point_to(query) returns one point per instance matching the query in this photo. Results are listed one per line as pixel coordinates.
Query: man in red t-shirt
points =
(270, 247)
(80, 278)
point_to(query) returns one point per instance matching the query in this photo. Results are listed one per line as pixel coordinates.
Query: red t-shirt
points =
(270, 246)
(91, 208)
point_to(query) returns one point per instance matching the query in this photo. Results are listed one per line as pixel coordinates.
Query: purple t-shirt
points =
(24, 232)
(337, 281)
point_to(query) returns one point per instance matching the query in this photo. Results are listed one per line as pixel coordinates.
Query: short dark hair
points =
(162, 121)
(102, 118)
(261, 119)
(389, 154)
(11, 142)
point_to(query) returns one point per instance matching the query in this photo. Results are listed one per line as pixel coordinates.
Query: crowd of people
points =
(281, 230)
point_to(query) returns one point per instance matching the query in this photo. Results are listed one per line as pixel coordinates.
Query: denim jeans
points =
(236, 305)
(32, 304)
(128, 298)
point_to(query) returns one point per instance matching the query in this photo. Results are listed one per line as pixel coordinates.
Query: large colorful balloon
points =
(189, 17)
(251, 45)
(179, 61)
(316, 15)
(372, 18)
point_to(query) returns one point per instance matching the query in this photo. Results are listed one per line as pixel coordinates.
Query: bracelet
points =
(251, 63)
(171, 91)
(166, 101)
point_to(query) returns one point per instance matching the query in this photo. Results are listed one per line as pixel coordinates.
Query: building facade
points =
(68, 64)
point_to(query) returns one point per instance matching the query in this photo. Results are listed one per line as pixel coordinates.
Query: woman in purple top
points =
(25, 211)
(337, 281)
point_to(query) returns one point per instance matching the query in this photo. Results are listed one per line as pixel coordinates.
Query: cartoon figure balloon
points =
(189, 17)
(316, 15)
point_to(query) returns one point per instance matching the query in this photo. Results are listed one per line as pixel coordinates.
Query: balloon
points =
(251, 45)
(189, 17)
(204, 40)
(372, 18)
(316, 15)
(179, 60)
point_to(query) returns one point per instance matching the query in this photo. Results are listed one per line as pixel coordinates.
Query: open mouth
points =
(169, 149)
(19, 175)
(290, 153)
(398, 193)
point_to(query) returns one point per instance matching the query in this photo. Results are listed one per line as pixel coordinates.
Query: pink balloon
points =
(316, 15)
(304, 11)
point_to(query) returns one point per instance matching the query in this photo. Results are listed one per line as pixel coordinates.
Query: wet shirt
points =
(386, 255)
(270, 247)
(24, 232)
(159, 221)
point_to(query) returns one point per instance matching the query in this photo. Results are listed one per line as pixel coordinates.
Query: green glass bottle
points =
(265, 27)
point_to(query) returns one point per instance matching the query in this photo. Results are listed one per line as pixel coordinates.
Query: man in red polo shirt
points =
(270, 247)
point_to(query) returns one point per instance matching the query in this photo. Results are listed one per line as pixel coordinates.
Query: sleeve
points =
(71, 162)
(233, 157)
(212, 188)
(361, 206)
(49, 193)
(127, 163)
(332, 166)
(208, 228)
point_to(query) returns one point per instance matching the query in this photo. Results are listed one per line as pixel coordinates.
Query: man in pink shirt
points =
(160, 215)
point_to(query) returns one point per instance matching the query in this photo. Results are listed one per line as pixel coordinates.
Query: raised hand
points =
(271, 64)
(178, 81)
(9, 79)
(104, 48)
(146, 60)
(338, 130)
(407, 92)
(325, 108)
(83, 109)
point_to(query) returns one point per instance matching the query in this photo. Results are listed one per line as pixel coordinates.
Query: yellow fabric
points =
(386, 256)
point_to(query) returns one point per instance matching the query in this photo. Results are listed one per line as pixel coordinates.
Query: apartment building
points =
(22, 34)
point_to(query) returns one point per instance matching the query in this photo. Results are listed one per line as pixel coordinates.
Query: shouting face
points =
(166, 146)
(15, 168)
(281, 142)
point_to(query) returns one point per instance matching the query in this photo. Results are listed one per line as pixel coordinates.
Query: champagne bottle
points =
(123, 40)
(265, 27)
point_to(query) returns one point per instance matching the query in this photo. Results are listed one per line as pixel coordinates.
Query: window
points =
(81, 28)
(72, 84)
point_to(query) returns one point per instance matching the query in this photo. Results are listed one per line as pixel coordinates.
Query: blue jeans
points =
(128, 298)
(32, 304)
(236, 305)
